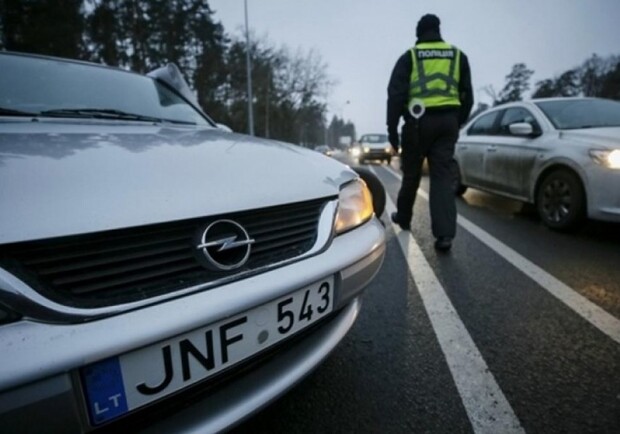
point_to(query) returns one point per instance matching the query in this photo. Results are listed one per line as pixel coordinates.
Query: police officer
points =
(430, 88)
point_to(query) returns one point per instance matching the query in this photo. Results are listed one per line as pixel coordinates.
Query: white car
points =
(562, 154)
(156, 270)
(374, 147)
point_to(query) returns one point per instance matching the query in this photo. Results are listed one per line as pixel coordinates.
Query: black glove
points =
(394, 141)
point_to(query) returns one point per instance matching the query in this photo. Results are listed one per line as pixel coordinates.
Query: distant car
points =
(562, 154)
(325, 150)
(156, 270)
(354, 150)
(375, 147)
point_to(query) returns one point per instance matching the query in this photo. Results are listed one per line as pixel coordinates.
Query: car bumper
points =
(603, 195)
(40, 390)
(376, 155)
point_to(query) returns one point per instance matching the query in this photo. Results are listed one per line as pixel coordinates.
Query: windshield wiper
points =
(4, 111)
(99, 114)
(110, 114)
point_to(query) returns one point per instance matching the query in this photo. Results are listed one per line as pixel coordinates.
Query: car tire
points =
(561, 201)
(375, 187)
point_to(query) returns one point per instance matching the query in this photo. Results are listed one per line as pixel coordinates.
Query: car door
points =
(510, 158)
(471, 148)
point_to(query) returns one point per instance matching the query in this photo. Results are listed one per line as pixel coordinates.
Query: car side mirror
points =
(523, 129)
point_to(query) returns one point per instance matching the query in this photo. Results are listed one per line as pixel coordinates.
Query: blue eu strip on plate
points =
(105, 394)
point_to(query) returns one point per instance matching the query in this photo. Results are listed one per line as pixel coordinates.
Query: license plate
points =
(124, 383)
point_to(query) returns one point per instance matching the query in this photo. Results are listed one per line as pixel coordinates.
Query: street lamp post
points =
(249, 73)
(344, 123)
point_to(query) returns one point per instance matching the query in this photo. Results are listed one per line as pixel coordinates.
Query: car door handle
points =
(492, 149)
(461, 147)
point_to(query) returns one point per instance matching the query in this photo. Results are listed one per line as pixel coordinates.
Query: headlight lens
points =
(388, 149)
(366, 149)
(606, 158)
(356, 152)
(614, 159)
(354, 206)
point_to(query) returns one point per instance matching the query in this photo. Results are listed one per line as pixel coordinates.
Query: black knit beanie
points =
(428, 22)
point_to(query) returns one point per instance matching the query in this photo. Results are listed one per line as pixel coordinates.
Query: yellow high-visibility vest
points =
(435, 74)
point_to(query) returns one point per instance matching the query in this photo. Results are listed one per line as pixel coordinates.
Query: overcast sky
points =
(360, 40)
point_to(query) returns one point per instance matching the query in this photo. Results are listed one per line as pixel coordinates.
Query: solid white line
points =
(487, 408)
(588, 310)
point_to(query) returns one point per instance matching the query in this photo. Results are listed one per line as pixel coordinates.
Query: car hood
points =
(608, 137)
(59, 178)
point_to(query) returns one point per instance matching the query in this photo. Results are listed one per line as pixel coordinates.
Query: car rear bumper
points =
(40, 390)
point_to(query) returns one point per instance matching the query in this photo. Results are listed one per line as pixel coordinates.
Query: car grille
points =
(121, 266)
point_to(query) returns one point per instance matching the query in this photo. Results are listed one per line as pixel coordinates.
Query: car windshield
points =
(572, 114)
(374, 138)
(36, 86)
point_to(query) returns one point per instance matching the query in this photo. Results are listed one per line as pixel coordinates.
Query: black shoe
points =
(443, 244)
(403, 226)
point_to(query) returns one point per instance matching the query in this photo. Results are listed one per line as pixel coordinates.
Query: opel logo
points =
(224, 245)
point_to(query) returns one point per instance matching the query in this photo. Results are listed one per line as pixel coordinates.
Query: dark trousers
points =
(434, 140)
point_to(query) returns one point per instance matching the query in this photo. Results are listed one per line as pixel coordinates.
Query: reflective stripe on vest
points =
(435, 74)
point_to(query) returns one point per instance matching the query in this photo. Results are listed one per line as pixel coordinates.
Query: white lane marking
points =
(487, 408)
(595, 315)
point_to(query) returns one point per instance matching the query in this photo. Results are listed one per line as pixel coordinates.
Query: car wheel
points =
(375, 187)
(561, 201)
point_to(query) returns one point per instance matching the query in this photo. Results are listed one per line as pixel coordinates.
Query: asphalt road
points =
(516, 330)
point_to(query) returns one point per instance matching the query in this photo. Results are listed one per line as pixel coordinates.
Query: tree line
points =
(290, 88)
(596, 77)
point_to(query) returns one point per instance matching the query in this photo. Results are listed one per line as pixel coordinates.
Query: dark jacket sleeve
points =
(466, 94)
(398, 94)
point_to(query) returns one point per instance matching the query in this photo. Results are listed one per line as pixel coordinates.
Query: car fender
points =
(376, 189)
(552, 163)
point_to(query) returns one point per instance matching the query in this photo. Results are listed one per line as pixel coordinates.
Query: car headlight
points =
(606, 158)
(366, 149)
(356, 152)
(388, 149)
(354, 206)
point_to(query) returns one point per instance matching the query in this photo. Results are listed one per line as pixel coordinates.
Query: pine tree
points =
(517, 83)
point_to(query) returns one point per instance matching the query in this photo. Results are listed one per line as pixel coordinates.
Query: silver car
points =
(374, 147)
(157, 271)
(561, 154)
